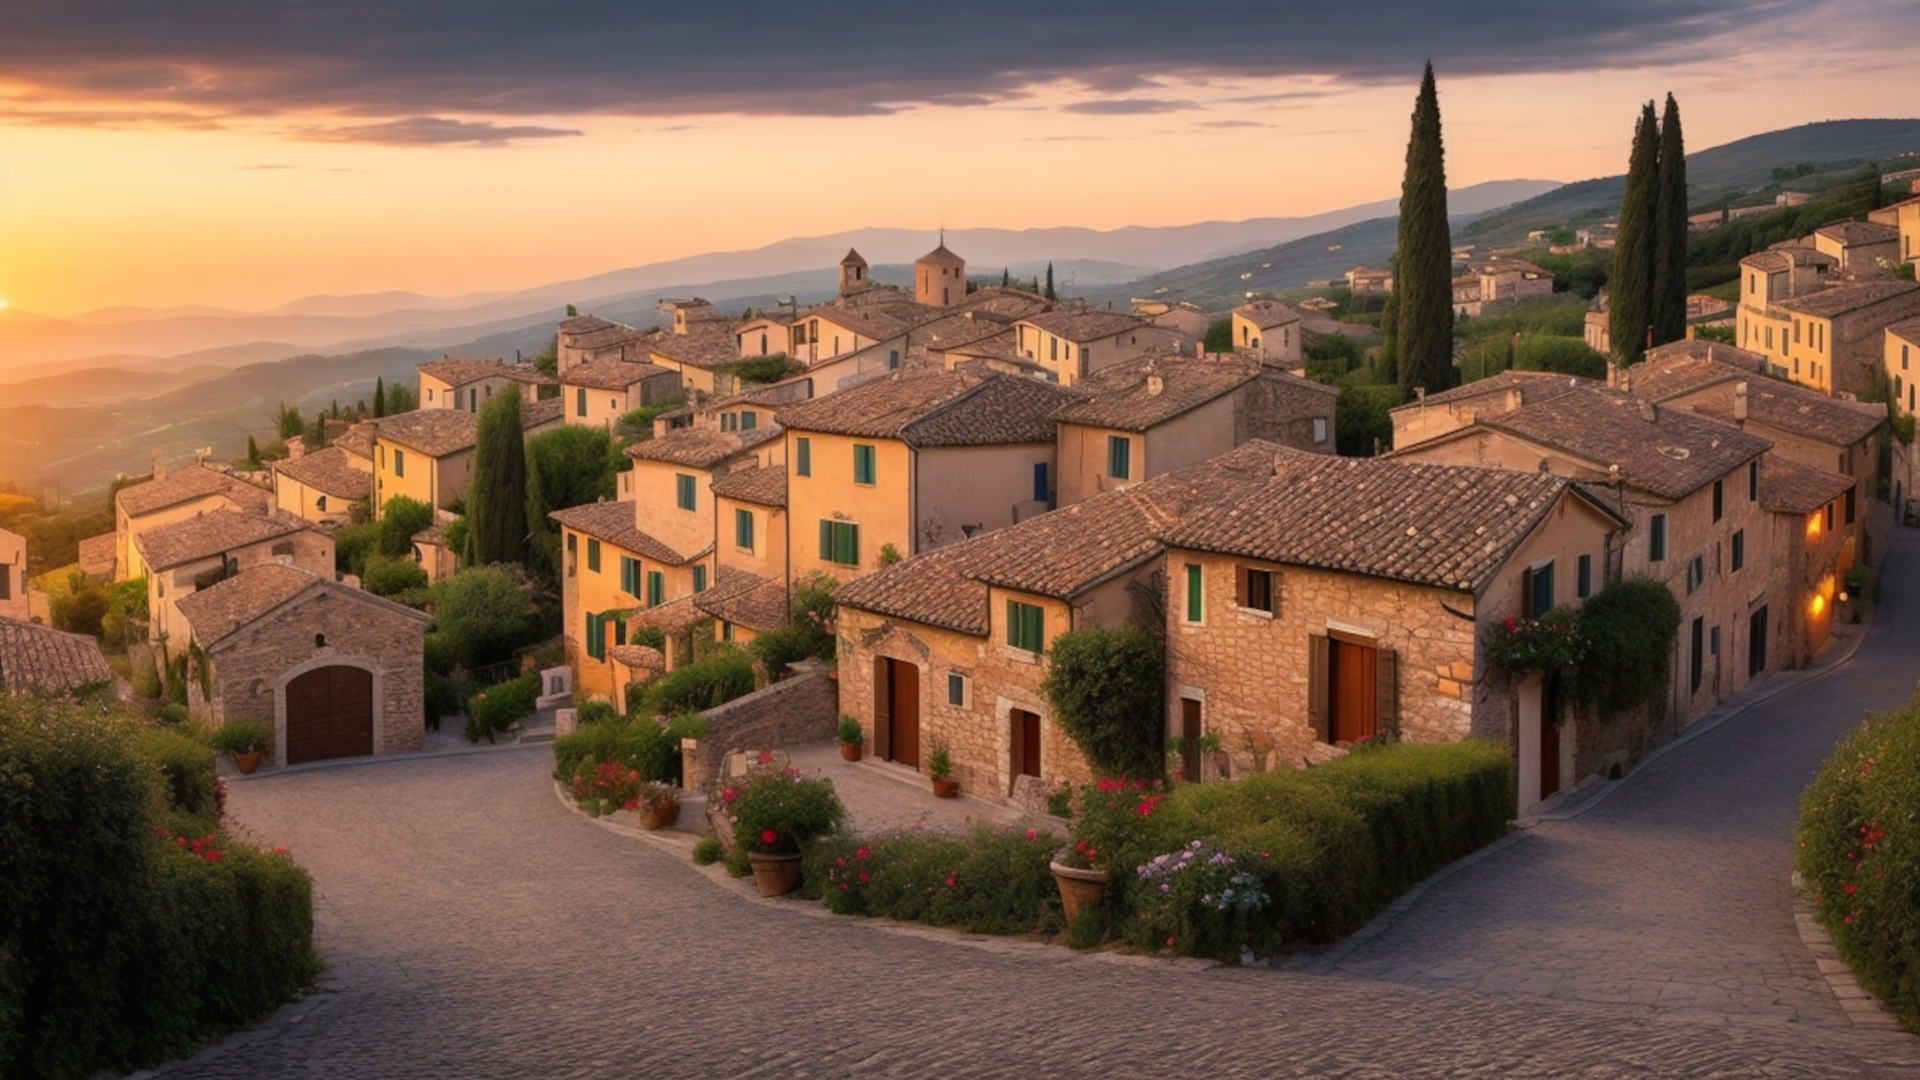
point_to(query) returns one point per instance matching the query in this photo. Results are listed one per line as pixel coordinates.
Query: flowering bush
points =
(1111, 815)
(1858, 858)
(1518, 646)
(1202, 902)
(606, 787)
(779, 813)
(992, 881)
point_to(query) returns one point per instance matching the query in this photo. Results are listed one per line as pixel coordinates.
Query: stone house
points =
(1144, 417)
(427, 454)
(170, 497)
(331, 670)
(1270, 331)
(1809, 508)
(1857, 245)
(1690, 488)
(1362, 281)
(37, 659)
(598, 393)
(320, 487)
(1184, 318)
(582, 338)
(612, 569)
(1839, 334)
(904, 464)
(1071, 344)
(1900, 348)
(1432, 415)
(703, 356)
(453, 383)
(187, 556)
(833, 330)
(1322, 601)
(13, 576)
(1512, 280)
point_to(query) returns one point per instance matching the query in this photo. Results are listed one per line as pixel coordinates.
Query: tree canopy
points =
(1423, 275)
(497, 493)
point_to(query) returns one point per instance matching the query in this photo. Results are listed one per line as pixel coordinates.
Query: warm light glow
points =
(1817, 605)
(1813, 525)
(3, 305)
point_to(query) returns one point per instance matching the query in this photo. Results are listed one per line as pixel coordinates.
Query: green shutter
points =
(656, 588)
(863, 464)
(826, 540)
(802, 456)
(743, 529)
(1193, 593)
(684, 490)
(850, 533)
(594, 649)
(399, 462)
(629, 576)
(593, 555)
(580, 402)
(699, 579)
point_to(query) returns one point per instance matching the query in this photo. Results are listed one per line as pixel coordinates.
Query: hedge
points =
(494, 709)
(699, 686)
(118, 947)
(1859, 855)
(992, 881)
(644, 744)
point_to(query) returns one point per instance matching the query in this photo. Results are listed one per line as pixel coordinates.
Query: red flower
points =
(860, 854)
(631, 804)
(729, 795)
(863, 879)
(768, 836)
(279, 851)
(949, 881)
(1849, 890)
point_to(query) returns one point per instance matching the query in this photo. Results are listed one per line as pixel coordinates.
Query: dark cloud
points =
(379, 59)
(431, 131)
(1126, 107)
(107, 118)
(1232, 124)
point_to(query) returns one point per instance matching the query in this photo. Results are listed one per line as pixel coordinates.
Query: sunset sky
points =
(243, 153)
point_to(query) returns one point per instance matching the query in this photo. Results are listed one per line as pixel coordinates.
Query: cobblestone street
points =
(475, 927)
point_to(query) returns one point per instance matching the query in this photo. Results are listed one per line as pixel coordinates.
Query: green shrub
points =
(146, 679)
(775, 649)
(598, 712)
(1106, 686)
(494, 709)
(992, 881)
(400, 519)
(239, 737)
(643, 744)
(186, 771)
(389, 576)
(1622, 639)
(353, 545)
(708, 850)
(174, 714)
(481, 615)
(699, 686)
(1859, 857)
(444, 697)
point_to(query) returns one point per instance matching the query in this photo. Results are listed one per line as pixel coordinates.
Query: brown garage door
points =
(329, 714)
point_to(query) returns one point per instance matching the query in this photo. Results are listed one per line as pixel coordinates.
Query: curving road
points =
(476, 928)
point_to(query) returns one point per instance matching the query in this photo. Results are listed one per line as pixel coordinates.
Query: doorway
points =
(896, 710)
(1352, 673)
(1024, 739)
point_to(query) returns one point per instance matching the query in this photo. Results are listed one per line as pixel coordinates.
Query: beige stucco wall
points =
(582, 590)
(883, 510)
(1069, 362)
(977, 487)
(657, 511)
(434, 481)
(768, 556)
(128, 563)
(309, 503)
(1279, 345)
(312, 551)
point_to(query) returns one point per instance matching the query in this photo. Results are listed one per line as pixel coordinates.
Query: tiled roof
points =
(535, 413)
(1004, 304)
(744, 599)
(1829, 303)
(699, 447)
(1777, 260)
(1908, 331)
(853, 258)
(434, 432)
(936, 408)
(213, 533)
(1795, 488)
(327, 471)
(929, 589)
(609, 336)
(955, 330)
(941, 255)
(1533, 386)
(638, 656)
(1673, 352)
(1123, 396)
(1001, 346)
(610, 374)
(1671, 453)
(671, 617)
(876, 324)
(183, 485)
(217, 611)
(1450, 526)
(1267, 314)
(358, 440)
(705, 348)
(455, 371)
(38, 659)
(1855, 233)
(97, 550)
(584, 324)
(761, 485)
(614, 523)
(1783, 406)
(1086, 325)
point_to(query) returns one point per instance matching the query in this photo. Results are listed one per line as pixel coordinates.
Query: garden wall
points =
(804, 707)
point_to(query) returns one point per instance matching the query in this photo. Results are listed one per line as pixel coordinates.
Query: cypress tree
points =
(1630, 285)
(379, 396)
(253, 453)
(1423, 262)
(1670, 233)
(1050, 294)
(497, 493)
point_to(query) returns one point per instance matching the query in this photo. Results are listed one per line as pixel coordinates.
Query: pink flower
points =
(729, 795)
(949, 881)
(864, 879)
(768, 836)
(1033, 834)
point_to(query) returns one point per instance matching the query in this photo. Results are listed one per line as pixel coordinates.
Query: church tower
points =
(939, 276)
(853, 274)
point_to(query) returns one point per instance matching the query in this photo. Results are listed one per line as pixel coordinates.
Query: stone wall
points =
(801, 708)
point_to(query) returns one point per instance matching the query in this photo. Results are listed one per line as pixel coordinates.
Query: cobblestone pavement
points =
(475, 927)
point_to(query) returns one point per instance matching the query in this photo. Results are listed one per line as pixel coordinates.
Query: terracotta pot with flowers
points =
(245, 740)
(1109, 812)
(658, 806)
(851, 737)
(774, 816)
(940, 768)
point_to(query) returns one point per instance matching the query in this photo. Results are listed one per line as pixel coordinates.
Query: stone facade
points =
(798, 709)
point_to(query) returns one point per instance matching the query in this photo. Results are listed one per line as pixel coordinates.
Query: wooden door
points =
(1757, 642)
(1352, 680)
(903, 713)
(1024, 738)
(1189, 740)
(330, 714)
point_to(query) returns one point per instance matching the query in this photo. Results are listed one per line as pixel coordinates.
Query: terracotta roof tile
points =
(1123, 396)
(358, 440)
(328, 471)
(705, 348)
(1856, 233)
(1081, 326)
(455, 371)
(644, 657)
(744, 599)
(213, 533)
(1780, 259)
(533, 414)
(97, 550)
(1908, 331)
(700, 447)
(671, 617)
(936, 408)
(609, 336)
(1267, 314)
(584, 324)
(942, 256)
(1840, 300)
(1533, 386)
(610, 374)
(183, 485)
(217, 611)
(1793, 487)
(761, 485)
(434, 432)
(1004, 304)
(1772, 403)
(614, 523)
(38, 659)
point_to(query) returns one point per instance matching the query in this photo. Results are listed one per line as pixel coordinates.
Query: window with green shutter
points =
(840, 542)
(699, 579)
(862, 464)
(802, 456)
(1194, 608)
(1025, 630)
(1119, 457)
(580, 402)
(596, 642)
(656, 588)
(399, 462)
(629, 576)
(743, 529)
(1657, 539)
(593, 555)
(683, 490)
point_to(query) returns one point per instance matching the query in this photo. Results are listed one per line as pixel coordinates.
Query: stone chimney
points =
(296, 448)
(1514, 398)
(1649, 412)
(1156, 385)
(1740, 402)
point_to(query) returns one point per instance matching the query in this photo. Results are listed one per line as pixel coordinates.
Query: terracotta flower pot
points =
(659, 814)
(774, 875)
(946, 789)
(247, 760)
(1079, 888)
(850, 751)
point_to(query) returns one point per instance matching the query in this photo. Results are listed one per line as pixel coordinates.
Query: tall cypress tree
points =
(1669, 306)
(1423, 263)
(1630, 285)
(497, 492)
(1050, 294)
(379, 396)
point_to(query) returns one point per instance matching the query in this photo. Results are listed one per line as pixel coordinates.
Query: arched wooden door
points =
(330, 714)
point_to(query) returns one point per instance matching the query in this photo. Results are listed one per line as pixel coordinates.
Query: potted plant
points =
(940, 768)
(245, 740)
(657, 804)
(851, 737)
(1109, 814)
(776, 814)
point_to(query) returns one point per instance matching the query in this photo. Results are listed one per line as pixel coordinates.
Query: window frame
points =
(866, 464)
(802, 456)
(593, 554)
(1026, 627)
(686, 491)
(1657, 538)
(1120, 457)
(1253, 584)
(743, 528)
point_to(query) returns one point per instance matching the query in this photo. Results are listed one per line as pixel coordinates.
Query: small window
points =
(593, 555)
(1584, 577)
(683, 491)
(1696, 572)
(802, 456)
(1025, 628)
(1536, 589)
(580, 402)
(399, 462)
(699, 579)
(656, 588)
(956, 688)
(840, 542)
(1319, 429)
(1739, 549)
(1851, 508)
(1717, 504)
(863, 465)
(749, 420)
(1657, 539)
(1119, 457)
(743, 529)
(1253, 588)
(1195, 608)
(629, 575)
(320, 503)
(1829, 517)
(1753, 480)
